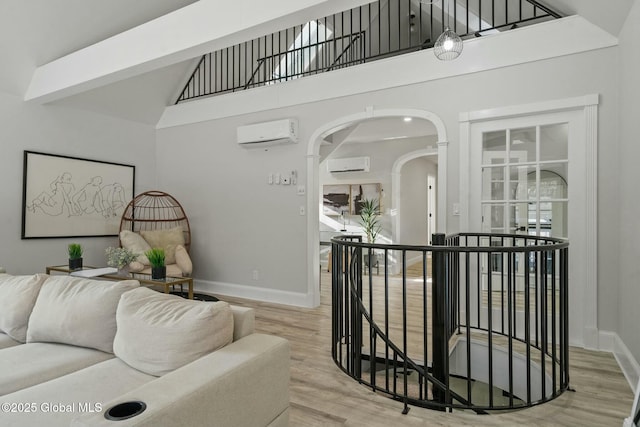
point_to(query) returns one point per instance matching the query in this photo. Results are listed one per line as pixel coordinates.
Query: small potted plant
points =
(369, 213)
(120, 258)
(75, 256)
(156, 258)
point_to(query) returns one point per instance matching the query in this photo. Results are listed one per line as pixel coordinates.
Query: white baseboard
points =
(254, 293)
(610, 341)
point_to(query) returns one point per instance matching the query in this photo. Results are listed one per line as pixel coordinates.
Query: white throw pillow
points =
(165, 239)
(184, 261)
(77, 311)
(17, 297)
(136, 244)
(158, 333)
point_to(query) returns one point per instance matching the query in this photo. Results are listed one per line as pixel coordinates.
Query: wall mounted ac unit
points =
(348, 164)
(268, 133)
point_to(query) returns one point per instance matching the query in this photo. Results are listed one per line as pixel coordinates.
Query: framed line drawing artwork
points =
(65, 196)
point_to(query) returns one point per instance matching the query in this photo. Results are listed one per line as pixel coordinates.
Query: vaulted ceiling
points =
(36, 32)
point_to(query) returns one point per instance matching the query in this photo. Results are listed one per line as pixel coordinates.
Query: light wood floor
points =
(322, 395)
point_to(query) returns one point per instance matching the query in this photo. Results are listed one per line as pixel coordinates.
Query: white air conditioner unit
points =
(349, 164)
(268, 133)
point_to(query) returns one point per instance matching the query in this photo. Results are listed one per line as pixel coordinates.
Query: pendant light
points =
(449, 44)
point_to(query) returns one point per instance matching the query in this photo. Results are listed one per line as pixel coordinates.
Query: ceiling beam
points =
(186, 33)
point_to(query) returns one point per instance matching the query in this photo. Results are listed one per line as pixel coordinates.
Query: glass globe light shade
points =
(448, 46)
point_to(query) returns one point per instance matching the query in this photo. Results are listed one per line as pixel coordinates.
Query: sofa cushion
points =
(7, 341)
(158, 333)
(29, 364)
(243, 384)
(77, 311)
(82, 391)
(17, 297)
(136, 244)
(165, 239)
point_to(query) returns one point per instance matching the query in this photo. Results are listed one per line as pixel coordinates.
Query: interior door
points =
(431, 206)
(527, 175)
(518, 197)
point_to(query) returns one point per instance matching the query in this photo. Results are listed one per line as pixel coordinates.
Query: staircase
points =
(471, 332)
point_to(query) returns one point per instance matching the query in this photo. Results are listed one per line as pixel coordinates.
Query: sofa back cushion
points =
(77, 311)
(17, 297)
(158, 333)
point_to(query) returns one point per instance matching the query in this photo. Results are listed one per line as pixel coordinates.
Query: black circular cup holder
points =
(125, 410)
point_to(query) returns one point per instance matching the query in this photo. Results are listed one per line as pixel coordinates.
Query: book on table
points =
(94, 272)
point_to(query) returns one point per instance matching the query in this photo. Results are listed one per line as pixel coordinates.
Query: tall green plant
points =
(369, 217)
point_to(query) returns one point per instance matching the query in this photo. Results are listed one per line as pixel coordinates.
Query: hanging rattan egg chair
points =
(155, 210)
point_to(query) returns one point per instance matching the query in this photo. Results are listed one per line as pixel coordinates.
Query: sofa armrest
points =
(245, 383)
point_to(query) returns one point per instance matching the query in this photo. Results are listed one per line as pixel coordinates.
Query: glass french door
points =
(524, 180)
(532, 170)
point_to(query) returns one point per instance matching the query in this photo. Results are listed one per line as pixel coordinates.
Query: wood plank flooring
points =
(322, 395)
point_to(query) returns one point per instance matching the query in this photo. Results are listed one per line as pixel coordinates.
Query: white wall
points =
(241, 223)
(629, 176)
(64, 131)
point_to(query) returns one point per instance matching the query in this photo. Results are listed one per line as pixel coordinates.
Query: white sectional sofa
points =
(84, 352)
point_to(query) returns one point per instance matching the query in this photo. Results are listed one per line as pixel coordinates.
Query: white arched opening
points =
(313, 184)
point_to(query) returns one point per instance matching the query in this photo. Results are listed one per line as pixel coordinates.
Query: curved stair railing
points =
(483, 326)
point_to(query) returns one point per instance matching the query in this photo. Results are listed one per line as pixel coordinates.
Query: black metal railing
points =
(366, 33)
(482, 324)
(297, 62)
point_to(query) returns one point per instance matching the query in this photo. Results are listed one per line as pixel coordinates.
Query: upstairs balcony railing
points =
(483, 325)
(373, 31)
(336, 53)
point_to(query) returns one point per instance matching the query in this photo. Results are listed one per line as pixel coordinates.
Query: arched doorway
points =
(396, 197)
(313, 185)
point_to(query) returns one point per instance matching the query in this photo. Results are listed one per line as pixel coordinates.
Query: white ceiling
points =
(34, 32)
(390, 128)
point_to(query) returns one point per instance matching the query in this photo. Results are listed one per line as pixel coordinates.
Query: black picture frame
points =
(65, 196)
